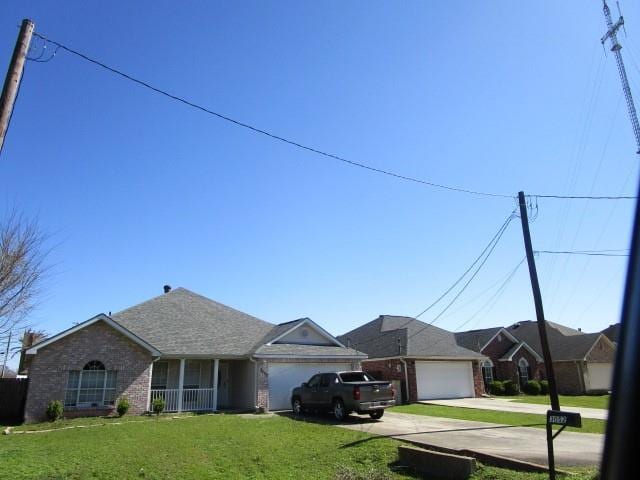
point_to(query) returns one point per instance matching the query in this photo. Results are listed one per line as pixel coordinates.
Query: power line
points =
(489, 248)
(293, 142)
(495, 297)
(578, 252)
(265, 132)
(491, 242)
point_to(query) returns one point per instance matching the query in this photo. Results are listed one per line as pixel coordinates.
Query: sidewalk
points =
(504, 405)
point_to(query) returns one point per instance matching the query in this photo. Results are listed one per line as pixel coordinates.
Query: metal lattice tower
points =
(615, 48)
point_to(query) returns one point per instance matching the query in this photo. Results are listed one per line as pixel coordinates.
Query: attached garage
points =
(437, 380)
(283, 377)
(600, 376)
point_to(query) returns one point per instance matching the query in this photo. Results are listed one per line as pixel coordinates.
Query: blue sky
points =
(137, 191)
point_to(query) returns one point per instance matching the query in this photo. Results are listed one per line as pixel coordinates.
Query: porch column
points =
(216, 363)
(180, 384)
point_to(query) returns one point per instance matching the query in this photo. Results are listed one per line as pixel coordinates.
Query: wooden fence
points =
(13, 395)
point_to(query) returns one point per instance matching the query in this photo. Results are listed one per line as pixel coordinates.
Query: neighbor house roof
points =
(392, 336)
(565, 343)
(476, 340)
(612, 332)
(183, 322)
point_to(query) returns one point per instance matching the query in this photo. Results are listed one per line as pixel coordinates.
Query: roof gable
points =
(98, 318)
(391, 335)
(303, 331)
(478, 340)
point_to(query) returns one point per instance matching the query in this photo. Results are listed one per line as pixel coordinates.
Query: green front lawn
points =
(589, 425)
(220, 446)
(587, 401)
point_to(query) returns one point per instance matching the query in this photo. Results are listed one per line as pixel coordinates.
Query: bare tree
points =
(22, 269)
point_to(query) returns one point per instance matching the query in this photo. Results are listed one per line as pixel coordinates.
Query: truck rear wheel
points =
(376, 414)
(338, 410)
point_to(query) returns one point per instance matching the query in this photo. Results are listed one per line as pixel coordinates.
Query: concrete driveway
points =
(521, 443)
(504, 405)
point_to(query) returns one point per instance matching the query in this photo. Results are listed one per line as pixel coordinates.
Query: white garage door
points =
(283, 377)
(600, 376)
(444, 380)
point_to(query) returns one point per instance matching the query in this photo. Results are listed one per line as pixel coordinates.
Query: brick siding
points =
(602, 352)
(49, 369)
(568, 378)
(394, 370)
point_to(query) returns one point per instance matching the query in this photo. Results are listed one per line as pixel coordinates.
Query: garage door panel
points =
(284, 377)
(437, 380)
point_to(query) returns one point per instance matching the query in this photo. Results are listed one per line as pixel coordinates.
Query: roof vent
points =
(167, 288)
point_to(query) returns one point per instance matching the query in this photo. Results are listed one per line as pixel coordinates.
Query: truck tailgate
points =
(375, 391)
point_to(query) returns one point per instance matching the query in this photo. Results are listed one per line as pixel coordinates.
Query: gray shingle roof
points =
(279, 329)
(612, 332)
(563, 346)
(476, 339)
(390, 336)
(297, 350)
(182, 322)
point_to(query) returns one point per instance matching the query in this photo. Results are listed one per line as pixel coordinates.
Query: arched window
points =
(93, 386)
(487, 372)
(523, 371)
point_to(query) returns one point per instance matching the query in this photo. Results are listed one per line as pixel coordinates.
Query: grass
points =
(587, 401)
(217, 446)
(589, 425)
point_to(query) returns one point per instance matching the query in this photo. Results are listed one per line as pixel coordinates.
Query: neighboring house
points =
(612, 332)
(582, 362)
(7, 373)
(507, 357)
(196, 354)
(425, 361)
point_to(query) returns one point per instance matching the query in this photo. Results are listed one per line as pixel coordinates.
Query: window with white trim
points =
(192, 374)
(523, 371)
(93, 386)
(487, 372)
(159, 375)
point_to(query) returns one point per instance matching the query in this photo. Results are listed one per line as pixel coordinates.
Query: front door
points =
(223, 385)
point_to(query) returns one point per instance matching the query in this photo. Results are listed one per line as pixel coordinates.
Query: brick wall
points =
(478, 381)
(394, 370)
(568, 379)
(497, 348)
(49, 368)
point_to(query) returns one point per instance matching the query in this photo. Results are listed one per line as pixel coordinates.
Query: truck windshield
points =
(356, 377)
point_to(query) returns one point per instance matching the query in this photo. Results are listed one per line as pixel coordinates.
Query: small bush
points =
(532, 387)
(54, 410)
(123, 406)
(158, 405)
(496, 388)
(511, 388)
(544, 387)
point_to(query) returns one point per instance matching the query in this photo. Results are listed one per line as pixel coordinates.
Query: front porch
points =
(201, 385)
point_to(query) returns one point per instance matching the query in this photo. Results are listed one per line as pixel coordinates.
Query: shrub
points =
(511, 388)
(54, 410)
(532, 387)
(496, 388)
(544, 387)
(158, 405)
(123, 406)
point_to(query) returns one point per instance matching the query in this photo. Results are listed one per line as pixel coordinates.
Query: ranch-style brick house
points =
(425, 362)
(507, 357)
(582, 362)
(195, 353)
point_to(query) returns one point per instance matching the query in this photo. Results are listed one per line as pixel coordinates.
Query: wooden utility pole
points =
(542, 329)
(537, 300)
(14, 75)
